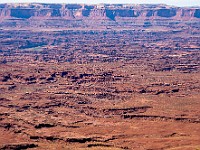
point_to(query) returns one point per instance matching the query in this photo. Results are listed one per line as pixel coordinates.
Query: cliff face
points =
(28, 12)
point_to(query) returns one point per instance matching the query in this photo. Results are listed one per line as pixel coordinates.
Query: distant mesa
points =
(26, 14)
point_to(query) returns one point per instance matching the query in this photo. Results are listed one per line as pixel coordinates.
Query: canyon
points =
(99, 77)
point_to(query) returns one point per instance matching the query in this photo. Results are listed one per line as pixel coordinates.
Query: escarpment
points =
(80, 15)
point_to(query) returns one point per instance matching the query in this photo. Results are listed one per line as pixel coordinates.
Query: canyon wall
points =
(67, 15)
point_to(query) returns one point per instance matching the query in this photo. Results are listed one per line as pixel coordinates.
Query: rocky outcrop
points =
(18, 146)
(85, 14)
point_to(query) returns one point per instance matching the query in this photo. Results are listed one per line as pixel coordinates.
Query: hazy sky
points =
(169, 2)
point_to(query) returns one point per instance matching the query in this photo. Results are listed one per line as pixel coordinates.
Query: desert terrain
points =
(99, 77)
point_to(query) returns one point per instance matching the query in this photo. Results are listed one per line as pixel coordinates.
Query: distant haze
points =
(169, 2)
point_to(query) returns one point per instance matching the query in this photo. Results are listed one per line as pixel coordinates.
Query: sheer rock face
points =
(9, 13)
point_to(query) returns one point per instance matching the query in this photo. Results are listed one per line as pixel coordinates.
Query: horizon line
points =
(98, 3)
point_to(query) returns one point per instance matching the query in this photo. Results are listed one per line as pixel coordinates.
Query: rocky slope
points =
(80, 15)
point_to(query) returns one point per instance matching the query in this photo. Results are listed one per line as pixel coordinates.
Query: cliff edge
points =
(80, 15)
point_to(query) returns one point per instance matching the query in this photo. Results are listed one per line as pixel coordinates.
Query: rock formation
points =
(64, 15)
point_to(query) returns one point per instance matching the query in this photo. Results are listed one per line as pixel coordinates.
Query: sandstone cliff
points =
(36, 14)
